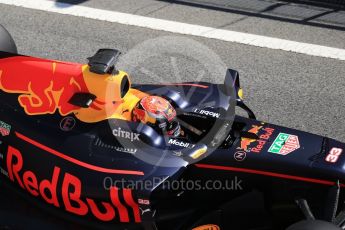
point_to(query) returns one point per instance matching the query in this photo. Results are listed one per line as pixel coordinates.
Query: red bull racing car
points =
(88, 147)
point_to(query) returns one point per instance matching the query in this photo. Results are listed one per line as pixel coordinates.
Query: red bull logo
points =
(264, 137)
(64, 190)
(260, 142)
(245, 142)
(44, 86)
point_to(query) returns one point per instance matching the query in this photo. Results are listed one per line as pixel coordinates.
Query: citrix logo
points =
(125, 134)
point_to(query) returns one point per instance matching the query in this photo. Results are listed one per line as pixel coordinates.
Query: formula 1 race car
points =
(82, 143)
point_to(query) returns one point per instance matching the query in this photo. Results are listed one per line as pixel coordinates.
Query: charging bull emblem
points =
(245, 142)
(44, 86)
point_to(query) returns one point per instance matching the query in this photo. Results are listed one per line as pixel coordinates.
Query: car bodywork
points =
(64, 142)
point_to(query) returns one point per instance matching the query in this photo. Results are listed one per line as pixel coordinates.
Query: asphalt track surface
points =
(294, 90)
(290, 89)
(261, 17)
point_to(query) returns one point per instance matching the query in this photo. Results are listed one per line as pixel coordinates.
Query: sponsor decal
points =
(284, 144)
(245, 142)
(143, 211)
(5, 129)
(334, 155)
(44, 86)
(240, 156)
(162, 125)
(191, 114)
(221, 135)
(67, 124)
(259, 143)
(207, 113)
(143, 202)
(180, 143)
(178, 153)
(64, 190)
(100, 143)
(207, 227)
(126, 134)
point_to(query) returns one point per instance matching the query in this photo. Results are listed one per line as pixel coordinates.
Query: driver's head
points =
(159, 113)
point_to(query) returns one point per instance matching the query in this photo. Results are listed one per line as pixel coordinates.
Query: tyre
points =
(313, 225)
(7, 43)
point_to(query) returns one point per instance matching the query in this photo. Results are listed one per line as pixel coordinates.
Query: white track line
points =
(180, 28)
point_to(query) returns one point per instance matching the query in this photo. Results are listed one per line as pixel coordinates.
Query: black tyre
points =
(7, 43)
(313, 225)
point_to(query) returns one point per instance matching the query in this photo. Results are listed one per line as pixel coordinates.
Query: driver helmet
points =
(159, 113)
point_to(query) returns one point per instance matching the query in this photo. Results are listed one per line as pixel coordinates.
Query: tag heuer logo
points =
(5, 129)
(284, 144)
